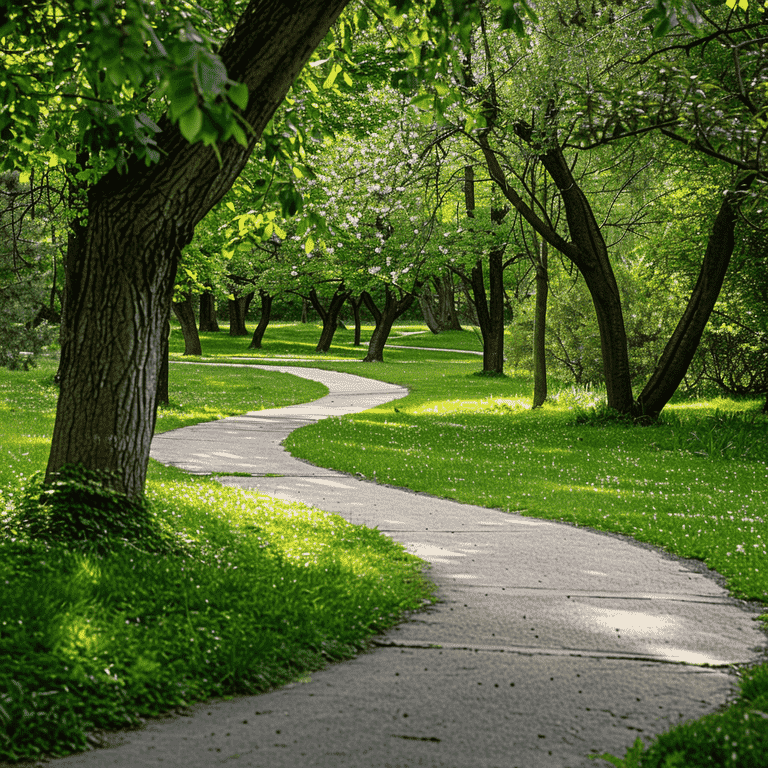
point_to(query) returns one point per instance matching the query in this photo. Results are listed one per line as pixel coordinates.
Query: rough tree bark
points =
(393, 308)
(266, 313)
(330, 316)
(448, 317)
(120, 280)
(490, 309)
(208, 321)
(185, 314)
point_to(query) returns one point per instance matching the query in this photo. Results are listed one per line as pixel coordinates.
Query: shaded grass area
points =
(266, 592)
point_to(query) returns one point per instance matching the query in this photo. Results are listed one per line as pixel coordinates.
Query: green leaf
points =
(190, 124)
(662, 27)
(181, 102)
(238, 94)
(424, 101)
(332, 75)
(309, 245)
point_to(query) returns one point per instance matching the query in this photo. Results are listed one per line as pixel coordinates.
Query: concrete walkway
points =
(550, 642)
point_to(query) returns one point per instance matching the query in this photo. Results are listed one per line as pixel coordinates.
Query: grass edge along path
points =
(267, 592)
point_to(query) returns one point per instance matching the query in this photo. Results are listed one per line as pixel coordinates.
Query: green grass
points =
(267, 590)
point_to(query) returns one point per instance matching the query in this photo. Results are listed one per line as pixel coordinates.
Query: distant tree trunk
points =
(540, 328)
(163, 394)
(120, 282)
(238, 309)
(393, 308)
(356, 303)
(446, 296)
(185, 314)
(266, 311)
(330, 316)
(208, 320)
(425, 302)
(304, 311)
(490, 309)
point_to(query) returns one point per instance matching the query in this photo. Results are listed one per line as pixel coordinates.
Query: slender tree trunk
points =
(304, 311)
(208, 321)
(591, 257)
(266, 312)
(540, 327)
(680, 349)
(185, 314)
(120, 281)
(356, 303)
(330, 316)
(393, 308)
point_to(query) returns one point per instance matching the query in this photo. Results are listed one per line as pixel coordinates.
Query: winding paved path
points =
(550, 641)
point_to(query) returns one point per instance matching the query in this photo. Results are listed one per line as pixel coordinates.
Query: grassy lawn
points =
(266, 592)
(696, 484)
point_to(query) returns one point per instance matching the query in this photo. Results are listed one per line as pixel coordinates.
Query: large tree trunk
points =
(266, 313)
(208, 321)
(680, 349)
(393, 308)
(540, 328)
(185, 314)
(330, 316)
(121, 279)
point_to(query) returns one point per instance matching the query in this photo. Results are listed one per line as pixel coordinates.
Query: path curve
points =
(550, 641)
